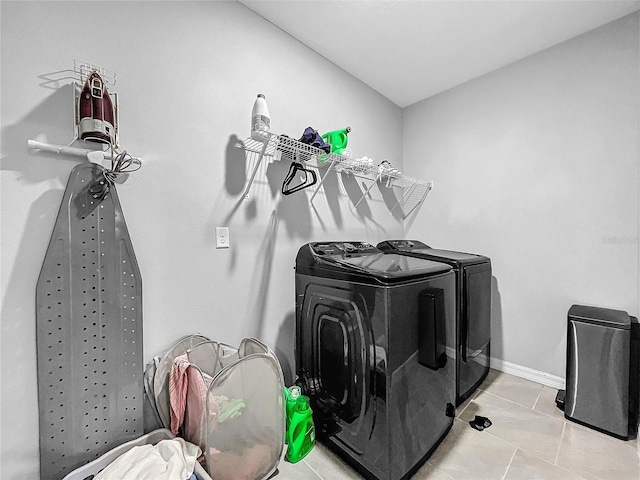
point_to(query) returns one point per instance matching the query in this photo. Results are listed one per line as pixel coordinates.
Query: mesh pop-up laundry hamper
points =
(236, 414)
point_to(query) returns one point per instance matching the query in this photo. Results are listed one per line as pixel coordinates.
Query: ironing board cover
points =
(88, 331)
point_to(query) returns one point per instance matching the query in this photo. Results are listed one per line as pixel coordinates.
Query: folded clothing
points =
(313, 138)
(173, 459)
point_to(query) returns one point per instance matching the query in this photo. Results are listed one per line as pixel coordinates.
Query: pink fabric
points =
(254, 462)
(178, 382)
(194, 420)
(188, 399)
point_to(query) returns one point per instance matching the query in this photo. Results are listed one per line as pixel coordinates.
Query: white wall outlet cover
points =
(222, 237)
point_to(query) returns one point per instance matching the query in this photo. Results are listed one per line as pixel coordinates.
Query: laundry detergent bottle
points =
(291, 394)
(338, 140)
(300, 434)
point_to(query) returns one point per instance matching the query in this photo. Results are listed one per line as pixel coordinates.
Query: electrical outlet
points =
(222, 237)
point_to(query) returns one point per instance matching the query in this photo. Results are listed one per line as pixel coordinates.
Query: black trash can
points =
(602, 374)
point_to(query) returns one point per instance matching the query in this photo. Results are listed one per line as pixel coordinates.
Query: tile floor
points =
(529, 439)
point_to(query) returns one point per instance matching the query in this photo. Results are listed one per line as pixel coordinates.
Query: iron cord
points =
(121, 163)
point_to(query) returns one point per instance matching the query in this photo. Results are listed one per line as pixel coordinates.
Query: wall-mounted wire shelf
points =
(412, 192)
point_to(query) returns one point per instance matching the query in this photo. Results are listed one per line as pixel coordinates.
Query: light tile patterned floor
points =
(529, 439)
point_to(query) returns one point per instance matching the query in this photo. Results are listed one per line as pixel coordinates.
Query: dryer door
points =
(335, 363)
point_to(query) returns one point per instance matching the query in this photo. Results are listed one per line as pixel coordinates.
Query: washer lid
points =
(393, 266)
(451, 255)
(600, 316)
(366, 259)
(415, 247)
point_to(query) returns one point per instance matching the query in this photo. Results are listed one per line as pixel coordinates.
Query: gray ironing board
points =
(88, 331)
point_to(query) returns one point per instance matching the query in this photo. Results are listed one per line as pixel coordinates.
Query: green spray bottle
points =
(300, 435)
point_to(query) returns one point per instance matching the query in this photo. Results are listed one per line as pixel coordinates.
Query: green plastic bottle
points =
(338, 140)
(300, 435)
(292, 394)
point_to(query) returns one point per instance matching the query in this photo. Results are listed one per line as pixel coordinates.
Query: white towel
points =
(172, 459)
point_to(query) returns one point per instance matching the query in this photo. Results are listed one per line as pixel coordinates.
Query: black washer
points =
(375, 352)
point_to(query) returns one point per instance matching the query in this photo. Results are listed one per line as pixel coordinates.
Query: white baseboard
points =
(528, 373)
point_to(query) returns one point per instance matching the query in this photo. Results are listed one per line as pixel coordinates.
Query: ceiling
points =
(409, 50)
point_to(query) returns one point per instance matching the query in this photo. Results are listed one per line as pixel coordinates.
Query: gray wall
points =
(188, 73)
(536, 166)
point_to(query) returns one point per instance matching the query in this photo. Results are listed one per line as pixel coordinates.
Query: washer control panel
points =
(407, 244)
(343, 248)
